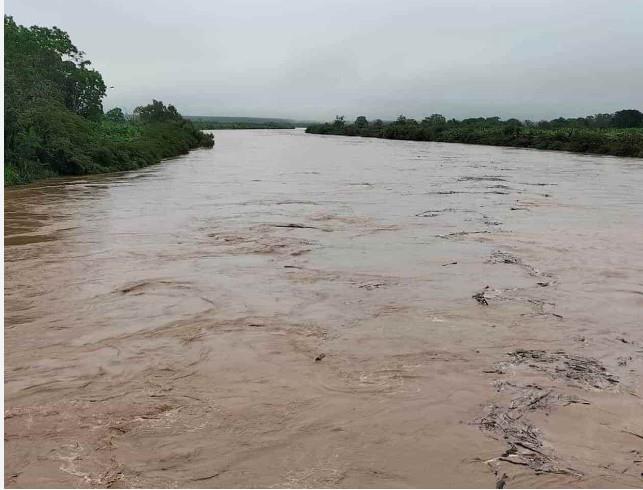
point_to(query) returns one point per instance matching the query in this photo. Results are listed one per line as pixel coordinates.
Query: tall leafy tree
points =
(157, 112)
(54, 121)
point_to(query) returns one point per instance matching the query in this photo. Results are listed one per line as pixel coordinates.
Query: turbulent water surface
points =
(299, 310)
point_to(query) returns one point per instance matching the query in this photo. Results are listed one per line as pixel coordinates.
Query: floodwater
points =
(293, 310)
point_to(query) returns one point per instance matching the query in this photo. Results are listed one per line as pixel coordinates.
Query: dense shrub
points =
(618, 134)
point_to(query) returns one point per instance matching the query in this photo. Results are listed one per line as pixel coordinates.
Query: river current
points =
(299, 310)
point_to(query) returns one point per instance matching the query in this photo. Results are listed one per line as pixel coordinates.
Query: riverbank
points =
(568, 135)
(109, 147)
(438, 315)
(112, 147)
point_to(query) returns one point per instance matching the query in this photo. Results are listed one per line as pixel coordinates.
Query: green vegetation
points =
(54, 120)
(218, 122)
(618, 134)
(240, 125)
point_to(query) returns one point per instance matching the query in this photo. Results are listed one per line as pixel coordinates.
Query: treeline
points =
(241, 125)
(618, 134)
(54, 119)
(230, 122)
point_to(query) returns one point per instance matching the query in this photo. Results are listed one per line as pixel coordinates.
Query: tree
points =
(513, 122)
(42, 64)
(602, 120)
(115, 115)
(84, 92)
(157, 112)
(361, 122)
(628, 118)
(434, 120)
(54, 122)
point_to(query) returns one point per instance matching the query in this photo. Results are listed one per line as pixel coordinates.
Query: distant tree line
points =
(620, 133)
(242, 125)
(54, 119)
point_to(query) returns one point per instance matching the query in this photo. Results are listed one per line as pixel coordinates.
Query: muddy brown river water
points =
(293, 310)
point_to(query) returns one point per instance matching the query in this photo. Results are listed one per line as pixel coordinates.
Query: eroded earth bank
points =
(292, 310)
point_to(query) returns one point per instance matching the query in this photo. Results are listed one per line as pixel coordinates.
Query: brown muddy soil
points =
(290, 310)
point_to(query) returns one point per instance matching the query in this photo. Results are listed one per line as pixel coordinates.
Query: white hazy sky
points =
(313, 59)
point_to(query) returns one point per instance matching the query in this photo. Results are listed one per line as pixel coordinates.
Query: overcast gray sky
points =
(317, 58)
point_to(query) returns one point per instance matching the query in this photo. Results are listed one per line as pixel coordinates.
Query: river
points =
(299, 310)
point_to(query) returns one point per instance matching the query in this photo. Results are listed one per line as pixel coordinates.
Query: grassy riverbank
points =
(54, 119)
(619, 134)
